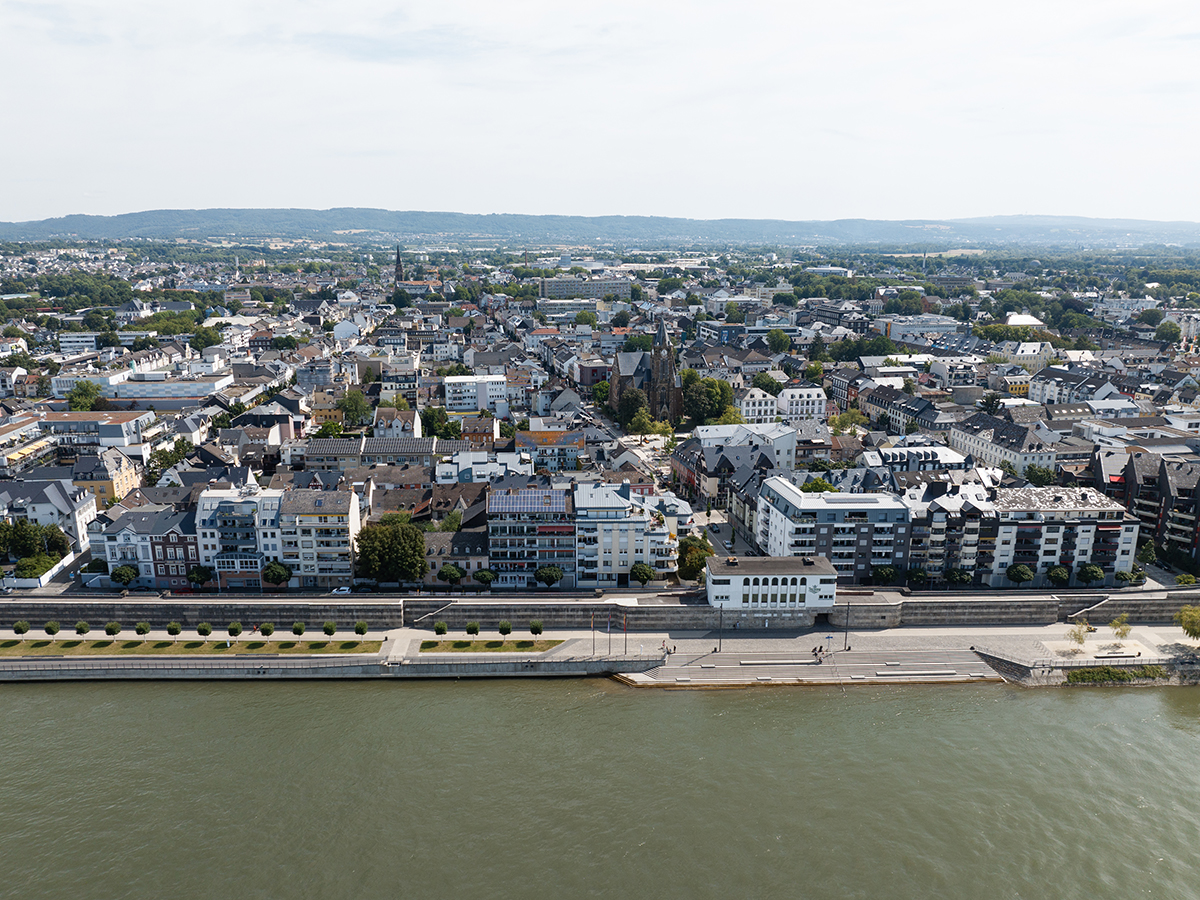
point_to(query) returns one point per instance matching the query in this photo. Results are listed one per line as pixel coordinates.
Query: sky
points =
(749, 109)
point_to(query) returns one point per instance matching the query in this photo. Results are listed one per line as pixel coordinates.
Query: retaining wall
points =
(190, 612)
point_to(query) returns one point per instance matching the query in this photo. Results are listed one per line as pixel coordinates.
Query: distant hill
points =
(373, 225)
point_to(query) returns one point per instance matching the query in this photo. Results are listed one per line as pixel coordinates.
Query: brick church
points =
(652, 372)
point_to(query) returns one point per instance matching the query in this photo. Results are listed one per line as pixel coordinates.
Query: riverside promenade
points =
(1032, 655)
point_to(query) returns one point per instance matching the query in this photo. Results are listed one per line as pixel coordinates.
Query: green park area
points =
(487, 646)
(137, 647)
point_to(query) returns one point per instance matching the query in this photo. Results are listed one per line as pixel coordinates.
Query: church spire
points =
(399, 266)
(660, 336)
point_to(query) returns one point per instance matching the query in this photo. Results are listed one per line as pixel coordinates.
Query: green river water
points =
(585, 788)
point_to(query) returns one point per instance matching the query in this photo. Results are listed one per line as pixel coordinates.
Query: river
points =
(585, 788)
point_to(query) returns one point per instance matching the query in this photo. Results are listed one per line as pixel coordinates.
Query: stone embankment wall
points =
(190, 613)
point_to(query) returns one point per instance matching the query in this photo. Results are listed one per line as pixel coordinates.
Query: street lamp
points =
(846, 637)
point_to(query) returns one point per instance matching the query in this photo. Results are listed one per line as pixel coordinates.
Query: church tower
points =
(399, 266)
(666, 400)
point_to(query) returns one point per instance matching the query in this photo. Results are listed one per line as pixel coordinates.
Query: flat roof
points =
(770, 565)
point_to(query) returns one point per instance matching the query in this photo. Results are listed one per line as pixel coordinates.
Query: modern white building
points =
(614, 530)
(855, 532)
(471, 393)
(797, 403)
(757, 583)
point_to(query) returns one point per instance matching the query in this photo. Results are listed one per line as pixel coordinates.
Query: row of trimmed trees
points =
(174, 629)
(504, 627)
(1018, 574)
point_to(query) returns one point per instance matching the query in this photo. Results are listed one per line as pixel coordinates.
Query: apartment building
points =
(239, 534)
(471, 393)
(530, 527)
(993, 442)
(801, 402)
(616, 529)
(317, 530)
(1058, 526)
(855, 532)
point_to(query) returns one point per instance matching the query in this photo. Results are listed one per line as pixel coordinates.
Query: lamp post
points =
(720, 627)
(846, 636)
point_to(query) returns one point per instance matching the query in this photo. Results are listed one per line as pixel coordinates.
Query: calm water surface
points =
(562, 789)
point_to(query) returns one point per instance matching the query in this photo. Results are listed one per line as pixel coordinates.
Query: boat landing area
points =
(737, 669)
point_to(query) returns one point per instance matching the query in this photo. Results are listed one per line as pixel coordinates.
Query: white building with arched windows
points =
(757, 583)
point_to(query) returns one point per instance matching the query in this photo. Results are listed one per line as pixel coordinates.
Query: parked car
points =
(341, 590)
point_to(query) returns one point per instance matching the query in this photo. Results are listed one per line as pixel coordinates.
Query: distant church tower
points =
(399, 266)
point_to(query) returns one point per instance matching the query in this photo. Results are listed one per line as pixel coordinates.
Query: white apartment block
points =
(614, 530)
(796, 404)
(471, 393)
(855, 532)
(757, 407)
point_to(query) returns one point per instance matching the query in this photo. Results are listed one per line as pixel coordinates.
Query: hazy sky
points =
(701, 109)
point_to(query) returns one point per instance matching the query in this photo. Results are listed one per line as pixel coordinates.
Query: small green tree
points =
(1019, 574)
(884, 574)
(548, 575)
(235, 629)
(1077, 633)
(958, 576)
(174, 629)
(451, 574)
(276, 573)
(266, 629)
(1120, 627)
(1039, 476)
(1147, 555)
(1088, 573)
(142, 629)
(297, 628)
(535, 626)
(124, 575)
(112, 629)
(51, 628)
(1059, 576)
(1185, 579)
(1188, 618)
(641, 573)
(21, 628)
(440, 628)
(917, 576)
(360, 627)
(472, 628)
(204, 629)
(200, 575)
(505, 627)
(82, 627)
(330, 629)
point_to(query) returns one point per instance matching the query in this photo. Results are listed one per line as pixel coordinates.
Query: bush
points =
(1114, 674)
(1185, 579)
(82, 627)
(142, 628)
(34, 566)
(472, 628)
(535, 627)
(21, 627)
(297, 628)
(52, 628)
(97, 565)
(505, 627)
(330, 628)
(235, 628)
(440, 627)
(360, 627)
(204, 629)
(266, 629)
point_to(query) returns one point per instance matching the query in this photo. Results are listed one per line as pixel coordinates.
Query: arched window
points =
(802, 581)
(793, 581)
(745, 582)
(756, 582)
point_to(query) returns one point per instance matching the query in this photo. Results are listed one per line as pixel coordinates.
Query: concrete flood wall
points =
(191, 612)
(266, 668)
(586, 615)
